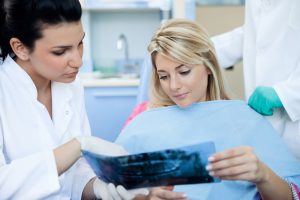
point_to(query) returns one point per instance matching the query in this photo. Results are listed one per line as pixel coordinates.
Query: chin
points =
(69, 80)
(184, 105)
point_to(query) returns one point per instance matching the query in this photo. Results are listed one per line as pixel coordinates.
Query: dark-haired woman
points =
(42, 106)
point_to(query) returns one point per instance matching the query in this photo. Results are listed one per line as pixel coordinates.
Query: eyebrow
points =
(69, 46)
(175, 68)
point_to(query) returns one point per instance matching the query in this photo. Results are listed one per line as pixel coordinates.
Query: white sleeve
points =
(84, 172)
(229, 47)
(289, 94)
(31, 177)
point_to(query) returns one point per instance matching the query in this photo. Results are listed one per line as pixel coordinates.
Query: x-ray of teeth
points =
(184, 165)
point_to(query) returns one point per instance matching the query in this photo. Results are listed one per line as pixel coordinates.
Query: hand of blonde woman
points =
(238, 163)
(164, 193)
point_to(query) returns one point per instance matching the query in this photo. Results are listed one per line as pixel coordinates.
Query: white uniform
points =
(28, 136)
(269, 44)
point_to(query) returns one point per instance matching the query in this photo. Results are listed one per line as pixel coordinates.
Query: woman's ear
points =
(19, 49)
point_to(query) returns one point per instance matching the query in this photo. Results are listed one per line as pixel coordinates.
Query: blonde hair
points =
(187, 43)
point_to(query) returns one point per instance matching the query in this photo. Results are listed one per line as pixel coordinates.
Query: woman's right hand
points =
(164, 193)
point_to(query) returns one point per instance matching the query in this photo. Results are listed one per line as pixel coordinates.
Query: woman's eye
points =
(163, 77)
(185, 72)
(58, 53)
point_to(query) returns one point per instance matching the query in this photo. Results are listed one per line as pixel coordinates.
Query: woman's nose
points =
(76, 60)
(174, 83)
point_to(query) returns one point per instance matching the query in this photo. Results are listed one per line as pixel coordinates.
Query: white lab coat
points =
(28, 136)
(269, 44)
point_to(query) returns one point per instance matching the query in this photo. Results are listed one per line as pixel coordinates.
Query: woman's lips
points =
(71, 75)
(180, 96)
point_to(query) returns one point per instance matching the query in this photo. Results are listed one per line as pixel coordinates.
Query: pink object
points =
(137, 110)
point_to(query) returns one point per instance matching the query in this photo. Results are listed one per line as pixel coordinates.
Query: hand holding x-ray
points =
(100, 147)
(108, 191)
(103, 190)
(238, 163)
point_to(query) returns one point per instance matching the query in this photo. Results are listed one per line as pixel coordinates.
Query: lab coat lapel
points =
(61, 108)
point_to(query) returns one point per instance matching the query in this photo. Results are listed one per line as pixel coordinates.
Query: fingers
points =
(160, 193)
(234, 152)
(113, 192)
(239, 163)
(101, 190)
(142, 191)
(233, 162)
(258, 175)
(240, 172)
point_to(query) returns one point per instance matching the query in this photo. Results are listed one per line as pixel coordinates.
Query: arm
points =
(88, 186)
(229, 47)
(241, 163)
(274, 187)
(66, 155)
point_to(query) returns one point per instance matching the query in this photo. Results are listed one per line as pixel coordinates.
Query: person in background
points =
(186, 71)
(43, 122)
(268, 45)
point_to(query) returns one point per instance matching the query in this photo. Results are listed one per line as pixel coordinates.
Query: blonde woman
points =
(186, 72)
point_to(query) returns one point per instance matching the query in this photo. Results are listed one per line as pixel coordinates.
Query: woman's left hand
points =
(238, 163)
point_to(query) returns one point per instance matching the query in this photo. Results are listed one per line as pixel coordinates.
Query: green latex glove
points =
(264, 99)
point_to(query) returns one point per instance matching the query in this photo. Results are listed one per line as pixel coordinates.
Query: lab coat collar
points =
(19, 77)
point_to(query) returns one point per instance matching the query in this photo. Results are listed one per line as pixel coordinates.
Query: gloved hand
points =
(108, 191)
(264, 99)
(100, 146)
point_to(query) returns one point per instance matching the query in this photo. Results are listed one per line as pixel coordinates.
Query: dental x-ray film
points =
(184, 165)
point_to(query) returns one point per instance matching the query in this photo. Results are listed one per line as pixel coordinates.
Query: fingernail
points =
(208, 167)
(211, 173)
(211, 158)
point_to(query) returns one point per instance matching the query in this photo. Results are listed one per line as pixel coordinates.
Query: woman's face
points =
(57, 56)
(183, 84)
